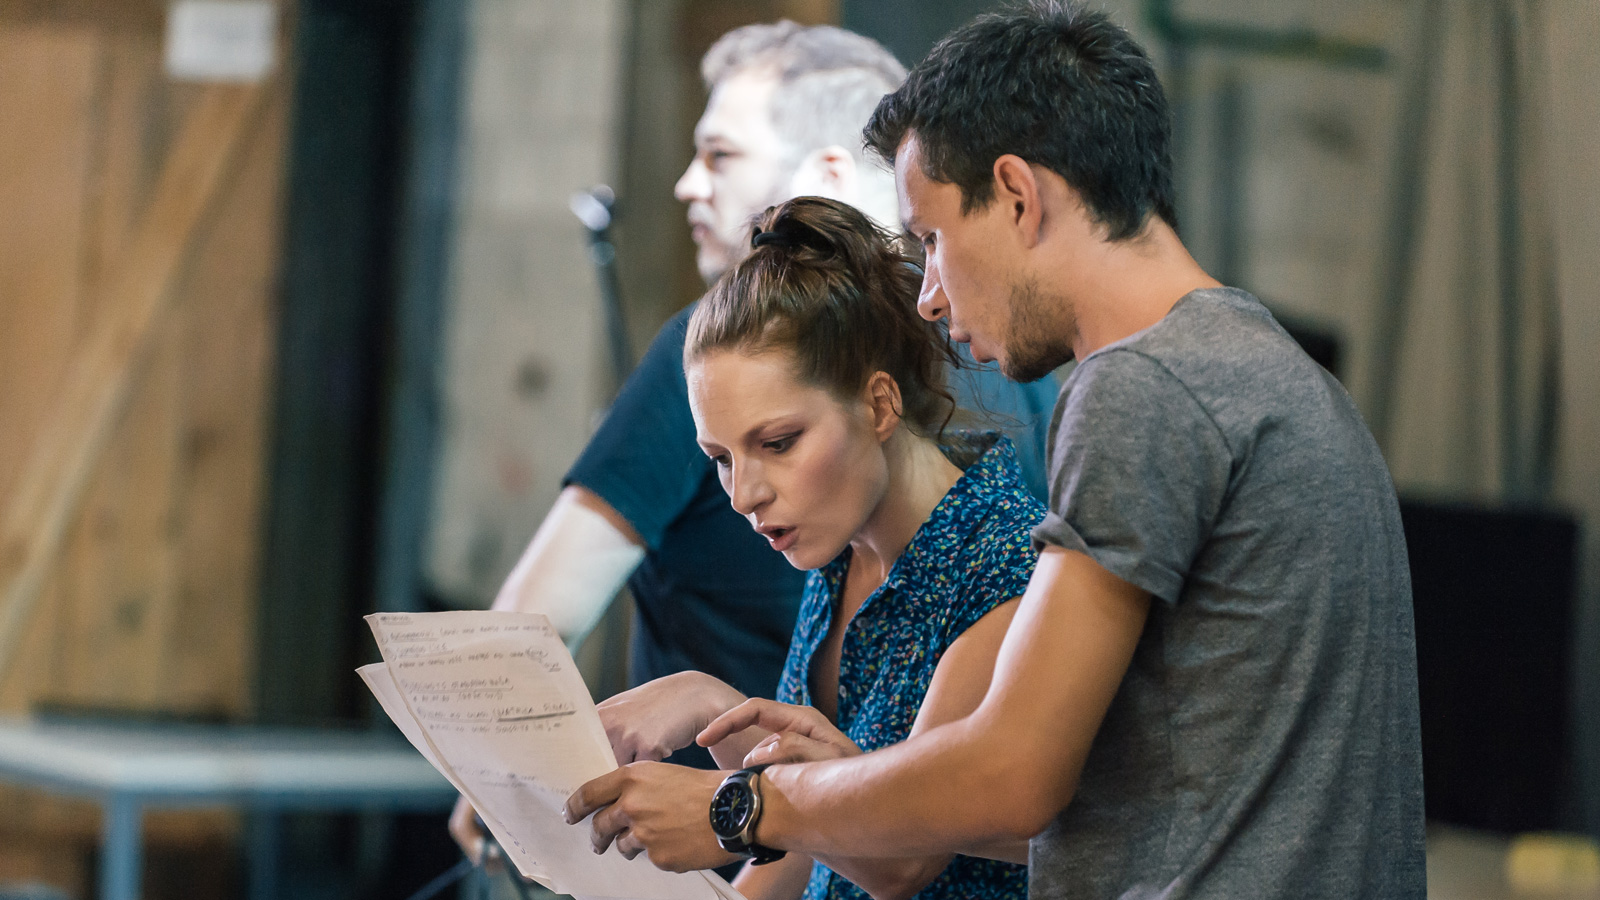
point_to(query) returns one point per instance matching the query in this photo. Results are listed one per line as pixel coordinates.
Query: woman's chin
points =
(801, 560)
(806, 556)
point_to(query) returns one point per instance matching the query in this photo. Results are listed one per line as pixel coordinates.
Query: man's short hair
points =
(829, 80)
(1052, 82)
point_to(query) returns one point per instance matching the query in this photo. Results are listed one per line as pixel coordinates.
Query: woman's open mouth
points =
(780, 538)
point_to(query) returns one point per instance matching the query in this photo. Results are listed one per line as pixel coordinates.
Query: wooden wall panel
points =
(47, 82)
(138, 267)
(159, 206)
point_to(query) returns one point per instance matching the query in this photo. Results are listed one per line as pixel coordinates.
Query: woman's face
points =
(806, 469)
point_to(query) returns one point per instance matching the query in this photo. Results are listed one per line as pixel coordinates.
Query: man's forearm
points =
(1000, 774)
(952, 788)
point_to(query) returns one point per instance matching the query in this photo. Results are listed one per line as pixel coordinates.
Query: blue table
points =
(127, 768)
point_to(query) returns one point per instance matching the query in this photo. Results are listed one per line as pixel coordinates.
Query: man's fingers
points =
(608, 825)
(464, 828)
(768, 714)
(627, 846)
(595, 794)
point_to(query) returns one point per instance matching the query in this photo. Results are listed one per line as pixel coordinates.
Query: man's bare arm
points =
(576, 563)
(1001, 774)
(976, 785)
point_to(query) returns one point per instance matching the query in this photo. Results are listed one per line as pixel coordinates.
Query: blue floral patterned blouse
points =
(972, 554)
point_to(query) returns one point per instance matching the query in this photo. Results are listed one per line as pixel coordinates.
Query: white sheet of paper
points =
(494, 701)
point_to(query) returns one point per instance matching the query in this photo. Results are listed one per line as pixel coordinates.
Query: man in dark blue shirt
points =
(642, 504)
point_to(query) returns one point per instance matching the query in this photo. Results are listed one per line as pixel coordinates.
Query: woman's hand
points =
(800, 733)
(812, 737)
(775, 717)
(661, 716)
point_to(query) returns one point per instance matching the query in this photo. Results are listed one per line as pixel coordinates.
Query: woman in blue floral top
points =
(819, 393)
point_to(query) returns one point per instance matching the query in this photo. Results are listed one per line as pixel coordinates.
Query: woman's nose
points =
(750, 491)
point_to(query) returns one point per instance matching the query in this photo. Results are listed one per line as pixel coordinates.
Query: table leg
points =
(265, 834)
(121, 866)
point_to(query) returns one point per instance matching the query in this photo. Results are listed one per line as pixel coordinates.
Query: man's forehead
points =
(740, 108)
(911, 182)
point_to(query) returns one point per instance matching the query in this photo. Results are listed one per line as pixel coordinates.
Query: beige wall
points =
(1574, 146)
(524, 374)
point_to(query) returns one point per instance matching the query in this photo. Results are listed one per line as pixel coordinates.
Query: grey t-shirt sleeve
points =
(1138, 471)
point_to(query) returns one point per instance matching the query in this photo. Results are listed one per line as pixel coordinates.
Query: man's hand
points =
(464, 828)
(800, 733)
(662, 716)
(656, 808)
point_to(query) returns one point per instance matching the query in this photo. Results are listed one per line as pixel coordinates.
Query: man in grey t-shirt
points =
(1209, 688)
(1264, 741)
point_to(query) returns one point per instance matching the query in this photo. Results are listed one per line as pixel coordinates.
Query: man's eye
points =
(927, 241)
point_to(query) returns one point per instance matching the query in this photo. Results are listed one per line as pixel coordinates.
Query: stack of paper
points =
(494, 701)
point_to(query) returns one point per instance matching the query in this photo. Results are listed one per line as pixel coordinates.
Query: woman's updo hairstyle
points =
(826, 284)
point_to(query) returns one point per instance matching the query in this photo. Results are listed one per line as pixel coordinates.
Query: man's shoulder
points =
(1227, 353)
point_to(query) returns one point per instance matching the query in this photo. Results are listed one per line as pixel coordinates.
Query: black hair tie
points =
(762, 238)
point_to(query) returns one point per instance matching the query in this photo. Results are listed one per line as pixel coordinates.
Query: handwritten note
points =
(494, 701)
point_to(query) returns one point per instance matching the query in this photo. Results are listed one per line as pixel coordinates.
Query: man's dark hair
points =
(1055, 83)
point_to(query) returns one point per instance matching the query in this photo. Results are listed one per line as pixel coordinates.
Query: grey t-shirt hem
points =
(1158, 581)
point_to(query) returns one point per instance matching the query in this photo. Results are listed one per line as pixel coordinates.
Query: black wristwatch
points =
(735, 812)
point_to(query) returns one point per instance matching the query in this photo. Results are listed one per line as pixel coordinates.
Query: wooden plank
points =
(126, 158)
(228, 348)
(116, 606)
(48, 80)
(90, 402)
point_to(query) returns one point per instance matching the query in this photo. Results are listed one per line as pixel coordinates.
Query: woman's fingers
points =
(767, 714)
(790, 747)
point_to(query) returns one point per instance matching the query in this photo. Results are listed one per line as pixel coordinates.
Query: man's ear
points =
(882, 394)
(826, 172)
(1016, 187)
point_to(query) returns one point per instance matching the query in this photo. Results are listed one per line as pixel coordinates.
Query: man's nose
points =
(694, 184)
(931, 302)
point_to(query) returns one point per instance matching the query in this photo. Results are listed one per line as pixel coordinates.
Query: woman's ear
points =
(883, 399)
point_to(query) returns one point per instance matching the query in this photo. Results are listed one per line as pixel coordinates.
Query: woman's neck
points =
(919, 477)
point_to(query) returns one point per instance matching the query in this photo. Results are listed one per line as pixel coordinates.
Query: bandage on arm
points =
(576, 563)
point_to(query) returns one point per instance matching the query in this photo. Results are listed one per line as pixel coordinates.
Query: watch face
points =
(730, 809)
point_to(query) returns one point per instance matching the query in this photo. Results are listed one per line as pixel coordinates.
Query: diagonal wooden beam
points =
(135, 293)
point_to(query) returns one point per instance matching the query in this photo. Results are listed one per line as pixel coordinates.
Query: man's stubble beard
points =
(1037, 338)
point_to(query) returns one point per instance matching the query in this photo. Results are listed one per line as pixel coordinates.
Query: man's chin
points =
(1026, 370)
(711, 266)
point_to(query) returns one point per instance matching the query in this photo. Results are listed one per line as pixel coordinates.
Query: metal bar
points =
(265, 833)
(1514, 482)
(122, 864)
(1229, 208)
(1294, 44)
(1400, 241)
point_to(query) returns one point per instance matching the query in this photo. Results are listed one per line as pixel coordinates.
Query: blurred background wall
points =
(278, 352)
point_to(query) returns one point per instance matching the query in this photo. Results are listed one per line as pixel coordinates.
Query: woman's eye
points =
(721, 461)
(779, 445)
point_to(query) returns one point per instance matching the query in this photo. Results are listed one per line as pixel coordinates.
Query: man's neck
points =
(1123, 287)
